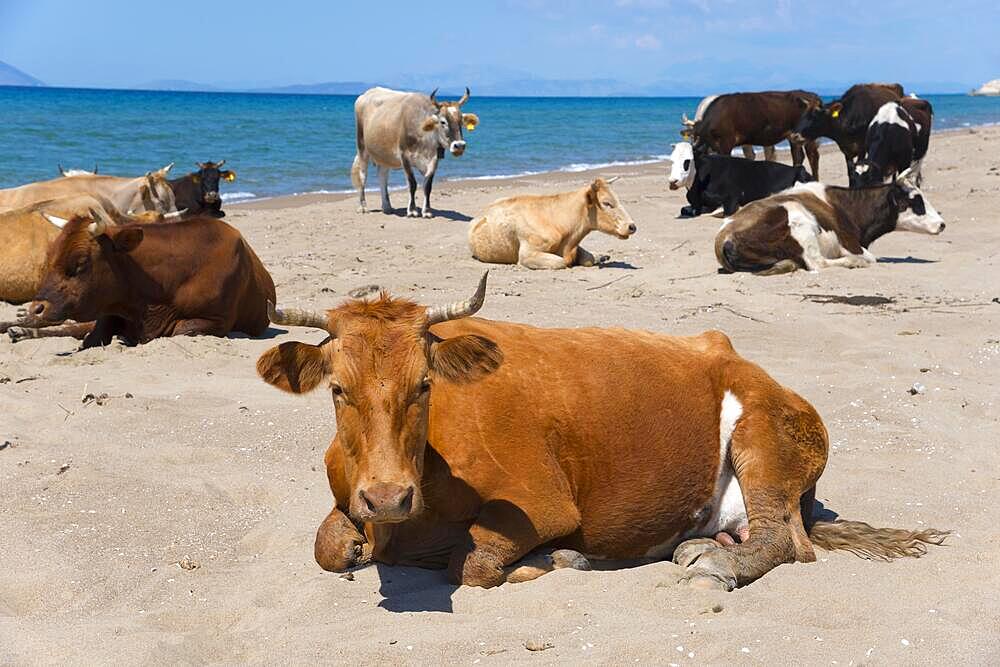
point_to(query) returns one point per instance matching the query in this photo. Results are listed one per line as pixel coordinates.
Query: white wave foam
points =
(238, 196)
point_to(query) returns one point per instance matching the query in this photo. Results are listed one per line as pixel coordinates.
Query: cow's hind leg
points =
(383, 181)
(777, 452)
(535, 565)
(359, 170)
(770, 153)
(411, 182)
(748, 152)
(200, 327)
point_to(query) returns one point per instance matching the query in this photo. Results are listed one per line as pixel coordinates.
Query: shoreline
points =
(560, 175)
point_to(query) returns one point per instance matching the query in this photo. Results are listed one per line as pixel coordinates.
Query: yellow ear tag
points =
(470, 127)
(836, 112)
(196, 179)
(231, 176)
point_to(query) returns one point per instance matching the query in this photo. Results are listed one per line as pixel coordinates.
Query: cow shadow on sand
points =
(906, 260)
(447, 214)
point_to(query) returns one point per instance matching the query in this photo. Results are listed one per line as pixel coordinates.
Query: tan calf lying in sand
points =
(544, 231)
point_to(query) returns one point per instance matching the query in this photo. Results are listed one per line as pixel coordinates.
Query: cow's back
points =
(386, 119)
(626, 422)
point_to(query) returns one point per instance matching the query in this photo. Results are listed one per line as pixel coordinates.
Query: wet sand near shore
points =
(170, 516)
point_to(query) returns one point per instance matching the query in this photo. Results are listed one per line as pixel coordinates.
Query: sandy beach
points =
(170, 516)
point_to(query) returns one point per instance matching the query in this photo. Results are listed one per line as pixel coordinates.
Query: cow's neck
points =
(571, 214)
(869, 210)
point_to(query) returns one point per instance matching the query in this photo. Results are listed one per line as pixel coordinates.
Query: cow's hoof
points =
(688, 552)
(17, 334)
(21, 313)
(361, 209)
(413, 213)
(707, 581)
(567, 558)
(602, 259)
(427, 213)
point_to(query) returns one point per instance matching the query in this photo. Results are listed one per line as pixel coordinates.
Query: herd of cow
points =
(460, 442)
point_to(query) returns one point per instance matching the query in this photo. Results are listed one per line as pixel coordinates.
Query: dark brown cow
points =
(142, 282)
(846, 120)
(755, 119)
(198, 192)
(467, 443)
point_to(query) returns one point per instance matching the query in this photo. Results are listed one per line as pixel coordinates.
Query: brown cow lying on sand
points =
(25, 235)
(194, 277)
(545, 231)
(467, 443)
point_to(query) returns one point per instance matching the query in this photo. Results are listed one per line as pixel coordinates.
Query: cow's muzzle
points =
(457, 148)
(674, 185)
(42, 312)
(211, 197)
(384, 503)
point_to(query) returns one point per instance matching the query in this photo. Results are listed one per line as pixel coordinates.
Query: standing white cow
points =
(407, 131)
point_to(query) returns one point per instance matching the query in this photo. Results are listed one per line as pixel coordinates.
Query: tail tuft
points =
(871, 543)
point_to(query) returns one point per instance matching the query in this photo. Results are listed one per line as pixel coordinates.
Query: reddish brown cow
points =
(466, 443)
(197, 276)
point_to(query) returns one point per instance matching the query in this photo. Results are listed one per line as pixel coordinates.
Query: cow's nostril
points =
(941, 229)
(631, 229)
(407, 503)
(368, 503)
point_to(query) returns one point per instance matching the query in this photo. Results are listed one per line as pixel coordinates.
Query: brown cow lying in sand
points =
(25, 235)
(545, 231)
(467, 443)
(194, 277)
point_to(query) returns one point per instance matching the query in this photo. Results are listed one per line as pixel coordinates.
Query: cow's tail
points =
(356, 172)
(872, 543)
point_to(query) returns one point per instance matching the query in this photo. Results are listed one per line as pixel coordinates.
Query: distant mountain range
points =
(12, 76)
(501, 81)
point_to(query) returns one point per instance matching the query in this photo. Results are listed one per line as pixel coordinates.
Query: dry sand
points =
(192, 457)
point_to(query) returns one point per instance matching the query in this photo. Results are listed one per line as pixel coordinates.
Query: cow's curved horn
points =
(62, 172)
(166, 170)
(612, 179)
(218, 165)
(903, 175)
(687, 121)
(98, 226)
(175, 215)
(459, 309)
(293, 317)
(465, 98)
(55, 220)
(434, 96)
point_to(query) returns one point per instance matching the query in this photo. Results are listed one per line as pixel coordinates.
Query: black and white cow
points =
(715, 181)
(814, 226)
(894, 143)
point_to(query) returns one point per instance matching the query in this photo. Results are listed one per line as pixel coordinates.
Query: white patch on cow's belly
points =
(728, 511)
(829, 245)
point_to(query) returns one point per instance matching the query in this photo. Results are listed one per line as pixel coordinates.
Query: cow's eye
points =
(336, 390)
(687, 164)
(81, 265)
(425, 385)
(608, 204)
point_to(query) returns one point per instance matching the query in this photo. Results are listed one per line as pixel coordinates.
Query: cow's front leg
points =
(383, 181)
(585, 258)
(200, 327)
(536, 259)
(78, 330)
(340, 545)
(428, 184)
(411, 182)
(500, 536)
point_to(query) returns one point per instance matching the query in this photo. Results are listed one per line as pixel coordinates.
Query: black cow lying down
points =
(715, 181)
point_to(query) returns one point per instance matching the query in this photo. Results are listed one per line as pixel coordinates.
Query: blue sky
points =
(708, 45)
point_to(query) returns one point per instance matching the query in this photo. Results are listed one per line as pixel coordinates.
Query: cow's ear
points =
(465, 358)
(294, 367)
(470, 121)
(127, 239)
(430, 123)
(899, 199)
(228, 175)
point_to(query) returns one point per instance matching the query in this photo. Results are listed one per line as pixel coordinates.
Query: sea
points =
(294, 144)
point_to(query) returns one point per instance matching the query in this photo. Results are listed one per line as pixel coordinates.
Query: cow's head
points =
(207, 179)
(154, 193)
(80, 279)
(682, 170)
(605, 211)
(817, 120)
(448, 121)
(915, 213)
(380, 363)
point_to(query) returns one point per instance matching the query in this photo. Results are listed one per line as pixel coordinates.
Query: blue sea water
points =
(283, 144)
